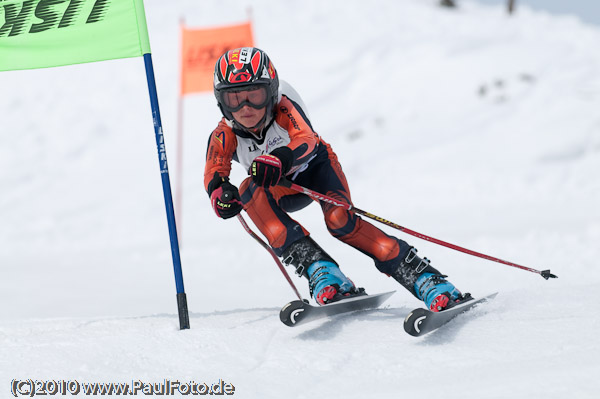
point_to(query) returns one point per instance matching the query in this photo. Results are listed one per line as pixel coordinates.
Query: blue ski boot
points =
(437, 293)
(424, 281)
(326, 281)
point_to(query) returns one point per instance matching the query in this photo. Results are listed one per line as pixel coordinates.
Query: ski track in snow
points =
(468, 126)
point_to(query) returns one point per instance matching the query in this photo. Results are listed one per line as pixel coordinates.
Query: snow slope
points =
(466, 125)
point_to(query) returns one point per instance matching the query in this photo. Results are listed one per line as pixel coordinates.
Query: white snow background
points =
(467, 125)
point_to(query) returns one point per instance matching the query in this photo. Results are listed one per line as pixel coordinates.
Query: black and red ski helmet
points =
(244, 68)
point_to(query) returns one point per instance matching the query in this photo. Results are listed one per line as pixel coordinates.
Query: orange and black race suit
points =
(315, 166)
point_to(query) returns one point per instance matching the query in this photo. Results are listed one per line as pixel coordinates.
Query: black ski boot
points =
(327, 283)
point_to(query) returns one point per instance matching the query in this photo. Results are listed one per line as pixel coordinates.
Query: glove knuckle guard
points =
(266, 170)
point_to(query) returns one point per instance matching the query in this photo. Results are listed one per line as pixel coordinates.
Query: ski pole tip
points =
(546, 274)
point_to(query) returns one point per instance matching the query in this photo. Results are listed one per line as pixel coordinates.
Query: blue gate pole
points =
(184, 318)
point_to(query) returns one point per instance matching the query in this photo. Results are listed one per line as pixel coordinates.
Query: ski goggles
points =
(234, 99)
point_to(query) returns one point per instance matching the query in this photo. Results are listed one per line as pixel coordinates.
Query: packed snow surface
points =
(467, 125)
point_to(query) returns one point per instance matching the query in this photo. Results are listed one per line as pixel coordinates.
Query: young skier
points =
(266, 129)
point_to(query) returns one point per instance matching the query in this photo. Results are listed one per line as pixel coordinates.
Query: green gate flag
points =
(48, 33)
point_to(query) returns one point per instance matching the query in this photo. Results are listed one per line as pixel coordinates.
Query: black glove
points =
(268, 169)
(225, 198)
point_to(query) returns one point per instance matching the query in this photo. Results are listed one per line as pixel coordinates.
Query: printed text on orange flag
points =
(200, 49)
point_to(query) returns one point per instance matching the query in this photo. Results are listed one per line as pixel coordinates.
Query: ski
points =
(422, 321)
(298, 312)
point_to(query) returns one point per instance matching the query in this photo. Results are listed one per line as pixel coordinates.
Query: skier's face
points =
(248, 116)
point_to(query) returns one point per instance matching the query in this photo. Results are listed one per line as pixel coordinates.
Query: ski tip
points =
(546, 274)
(414, 321)
(291, 313)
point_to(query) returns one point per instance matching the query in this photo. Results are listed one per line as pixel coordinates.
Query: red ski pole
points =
(268, 248)
(322, 197)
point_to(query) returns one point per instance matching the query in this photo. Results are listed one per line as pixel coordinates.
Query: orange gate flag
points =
(200, 50)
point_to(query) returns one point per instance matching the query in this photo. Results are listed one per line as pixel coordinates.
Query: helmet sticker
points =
(223, 67)
(239, 57)
(271, 70)
(239, 77)
(256, 62)
(245, 55)
(234, 59)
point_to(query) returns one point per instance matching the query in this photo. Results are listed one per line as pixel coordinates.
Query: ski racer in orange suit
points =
(265, 127)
